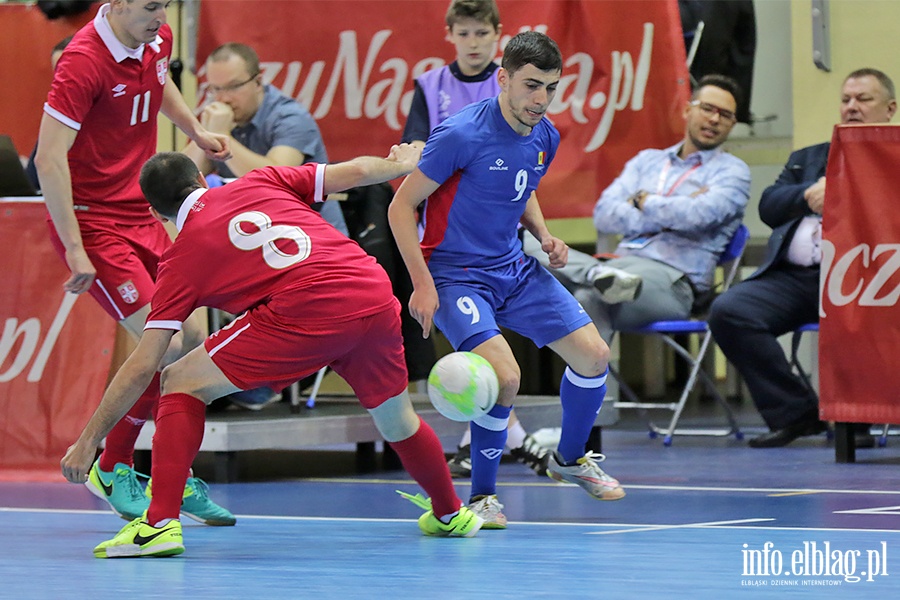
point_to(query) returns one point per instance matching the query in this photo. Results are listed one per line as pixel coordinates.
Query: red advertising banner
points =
(25, 73)
(859, 362)
(55, 348)
(353, 64)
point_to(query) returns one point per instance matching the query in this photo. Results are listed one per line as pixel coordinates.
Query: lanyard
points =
(665, 173)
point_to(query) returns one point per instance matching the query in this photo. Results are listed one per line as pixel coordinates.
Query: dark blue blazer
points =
(782, 205)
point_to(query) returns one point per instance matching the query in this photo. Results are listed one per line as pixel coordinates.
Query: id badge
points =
(635, 243)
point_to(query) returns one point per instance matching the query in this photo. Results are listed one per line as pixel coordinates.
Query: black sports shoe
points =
(461, 463)
(533, 455)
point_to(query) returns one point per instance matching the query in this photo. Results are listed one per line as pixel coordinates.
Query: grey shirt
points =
(282, 121)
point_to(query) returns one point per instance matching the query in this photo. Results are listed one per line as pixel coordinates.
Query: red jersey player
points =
(98, 129)
(290, 272)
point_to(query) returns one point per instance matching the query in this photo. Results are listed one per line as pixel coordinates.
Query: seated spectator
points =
(676, 209)
(266, 127)
(783, 293)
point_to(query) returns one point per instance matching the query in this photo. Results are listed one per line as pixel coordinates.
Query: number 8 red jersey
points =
(257, 241)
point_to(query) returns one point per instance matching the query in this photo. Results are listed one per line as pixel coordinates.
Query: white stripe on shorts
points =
(227, 340)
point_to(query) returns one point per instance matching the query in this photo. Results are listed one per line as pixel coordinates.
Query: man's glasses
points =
(225, 89)
(709, 110)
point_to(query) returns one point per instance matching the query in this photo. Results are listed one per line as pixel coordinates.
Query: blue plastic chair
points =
(668, 331)
(795, 362)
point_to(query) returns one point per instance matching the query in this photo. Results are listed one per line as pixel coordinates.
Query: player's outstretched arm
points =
(52, 164)
(176, 109)
(423, 302)
(369, 170)
(124, 390)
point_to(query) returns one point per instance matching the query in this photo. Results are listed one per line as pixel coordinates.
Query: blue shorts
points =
(521, 296)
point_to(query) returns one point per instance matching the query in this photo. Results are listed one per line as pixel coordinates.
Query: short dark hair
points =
(723, 82)
(167, 179)
(531, 48)
(481, 10)
(883, 79)
(61, 44)
(245, 52)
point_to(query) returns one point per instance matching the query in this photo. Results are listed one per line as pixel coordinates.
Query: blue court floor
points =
(705, 518)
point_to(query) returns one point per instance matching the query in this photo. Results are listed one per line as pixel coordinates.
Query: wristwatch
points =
(636, 200)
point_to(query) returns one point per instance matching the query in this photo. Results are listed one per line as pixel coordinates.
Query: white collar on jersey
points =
(119, 50)
(187, 206)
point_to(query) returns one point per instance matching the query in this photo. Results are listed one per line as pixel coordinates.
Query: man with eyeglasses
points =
(676, 209)
(99, 127)
(266, 128)
(783, 293)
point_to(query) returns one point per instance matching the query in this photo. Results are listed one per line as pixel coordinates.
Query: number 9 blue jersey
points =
(487, 174)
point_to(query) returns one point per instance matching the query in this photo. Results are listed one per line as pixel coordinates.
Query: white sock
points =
(516, 436)
(447, 518)
(466, 438)
(163, 523)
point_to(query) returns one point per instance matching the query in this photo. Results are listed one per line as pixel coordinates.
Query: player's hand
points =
(218, 117)
(76, 464)
(556, 250)
(422, 306)
(815, 196)
(214, 145)
(407, 154)
(83, 271)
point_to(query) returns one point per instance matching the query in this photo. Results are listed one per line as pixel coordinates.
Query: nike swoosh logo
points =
(140, 540)
(107, 489)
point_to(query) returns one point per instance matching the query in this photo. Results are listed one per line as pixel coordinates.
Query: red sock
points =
(423, 458)
(119, 446)
(179, 431)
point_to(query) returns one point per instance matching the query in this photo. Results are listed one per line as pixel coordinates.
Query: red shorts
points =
(260, 348)
(125, 257)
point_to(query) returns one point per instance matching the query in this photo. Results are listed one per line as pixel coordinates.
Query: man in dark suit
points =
(784, 292)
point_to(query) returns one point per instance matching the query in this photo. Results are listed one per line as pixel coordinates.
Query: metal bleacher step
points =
(334, 420)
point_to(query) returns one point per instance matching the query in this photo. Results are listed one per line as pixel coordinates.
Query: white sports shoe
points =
(616, 286)
(489, 509)
(586, 473)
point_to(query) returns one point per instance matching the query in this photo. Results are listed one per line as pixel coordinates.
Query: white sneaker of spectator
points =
(614, 285)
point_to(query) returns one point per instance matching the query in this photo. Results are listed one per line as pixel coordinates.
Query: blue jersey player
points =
(478, 176)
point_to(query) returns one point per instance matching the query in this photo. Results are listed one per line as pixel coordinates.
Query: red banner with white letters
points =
(353, 64)
(55, 348)
(859, 362)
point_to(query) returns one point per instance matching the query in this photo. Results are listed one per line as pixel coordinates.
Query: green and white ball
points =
(463, 386)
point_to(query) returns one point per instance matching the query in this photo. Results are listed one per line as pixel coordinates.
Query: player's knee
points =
(509, 377)
(593, 360)
(395, 418)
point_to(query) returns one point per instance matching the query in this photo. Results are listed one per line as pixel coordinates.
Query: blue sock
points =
(581, 399)
(488, 441)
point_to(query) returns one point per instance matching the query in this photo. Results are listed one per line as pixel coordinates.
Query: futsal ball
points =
(463, 386)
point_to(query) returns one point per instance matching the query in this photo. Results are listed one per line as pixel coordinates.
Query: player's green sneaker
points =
(197, 505)
(465, 524)
(120, 489)
(139, 539)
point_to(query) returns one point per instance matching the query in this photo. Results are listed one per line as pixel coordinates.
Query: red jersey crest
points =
(128, 292)
(162, 67)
